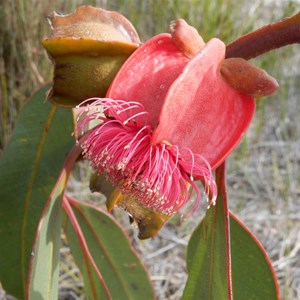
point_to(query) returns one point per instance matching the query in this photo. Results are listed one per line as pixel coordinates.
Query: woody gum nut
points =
(247, 78)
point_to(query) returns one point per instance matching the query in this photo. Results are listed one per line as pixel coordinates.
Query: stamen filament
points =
(160, 176)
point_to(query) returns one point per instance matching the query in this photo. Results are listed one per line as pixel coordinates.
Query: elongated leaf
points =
(43, 275)
(28, 171)
(253, 276)
(44, 264)
(251, 270)
(208, 257)
(123, 272)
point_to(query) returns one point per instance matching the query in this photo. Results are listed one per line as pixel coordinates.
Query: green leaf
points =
(43, 275)
(253, 276)
(28, 171)
(116, 259)
(208, 256)
(44, 264)
(208, 261)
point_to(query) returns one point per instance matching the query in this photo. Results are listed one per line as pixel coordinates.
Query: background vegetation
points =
(264, 172)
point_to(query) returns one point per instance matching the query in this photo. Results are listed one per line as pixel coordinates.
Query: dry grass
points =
(263, 173)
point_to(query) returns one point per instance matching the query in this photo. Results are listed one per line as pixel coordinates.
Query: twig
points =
(269, 37)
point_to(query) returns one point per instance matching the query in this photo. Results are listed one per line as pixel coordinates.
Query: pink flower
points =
(121, 146)
(169, 119)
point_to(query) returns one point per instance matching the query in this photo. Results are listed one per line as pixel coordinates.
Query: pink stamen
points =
(160, 176)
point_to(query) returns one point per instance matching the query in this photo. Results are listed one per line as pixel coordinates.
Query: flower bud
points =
(247, 78)
(87, 48)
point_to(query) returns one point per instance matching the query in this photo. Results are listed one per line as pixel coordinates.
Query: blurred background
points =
(263, 173)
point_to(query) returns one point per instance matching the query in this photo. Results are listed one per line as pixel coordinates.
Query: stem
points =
(269, 37)
(221, 183)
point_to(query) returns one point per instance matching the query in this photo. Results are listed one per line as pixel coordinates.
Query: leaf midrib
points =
(105, 252)
(27, 198)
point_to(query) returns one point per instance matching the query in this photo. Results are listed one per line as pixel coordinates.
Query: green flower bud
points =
(87, 48)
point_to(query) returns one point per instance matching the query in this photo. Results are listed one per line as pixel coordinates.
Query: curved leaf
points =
(253, 276)
(44, 265)
(28, 171)
(117, 261)
(43, 274)
(208, 256)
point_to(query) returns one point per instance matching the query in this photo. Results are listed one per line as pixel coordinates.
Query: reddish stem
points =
(82, 241)
(269, 37)
(221, 182)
